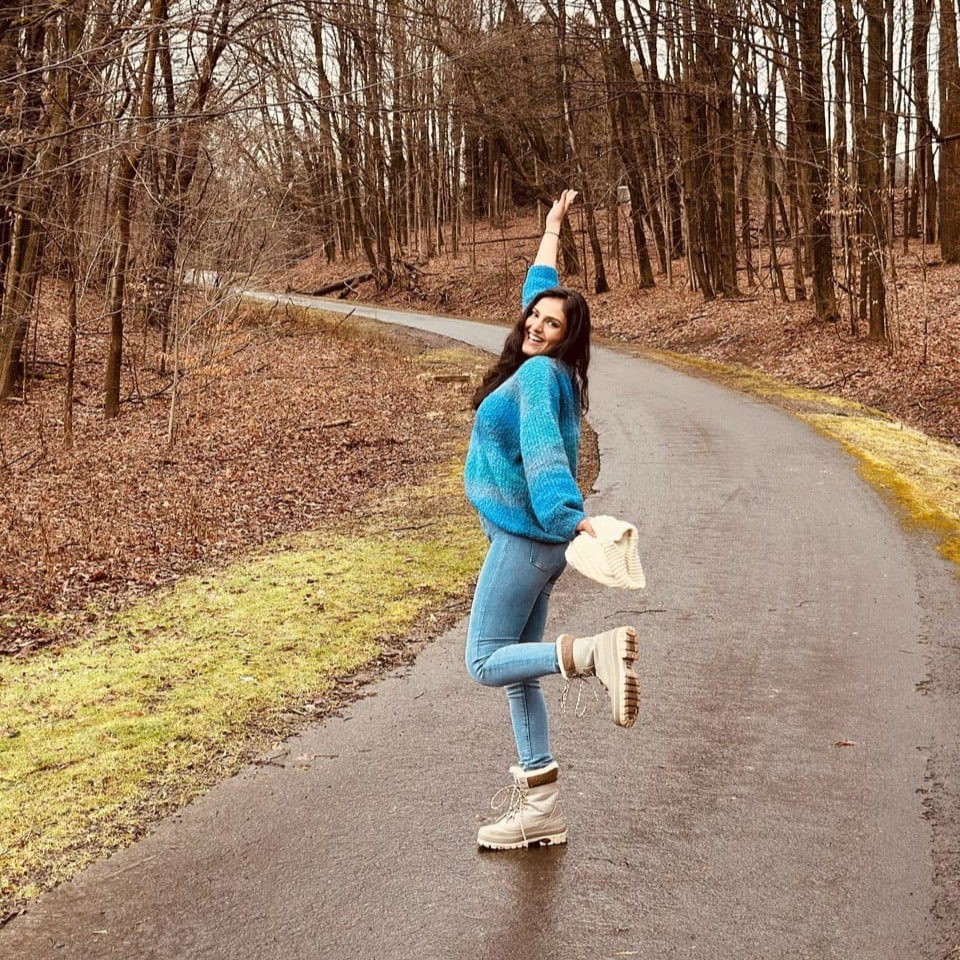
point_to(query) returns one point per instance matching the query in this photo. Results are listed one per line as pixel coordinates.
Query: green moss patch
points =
(798, 399)
(920, 475)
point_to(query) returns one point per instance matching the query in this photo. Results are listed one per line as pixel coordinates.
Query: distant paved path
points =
(786, 611)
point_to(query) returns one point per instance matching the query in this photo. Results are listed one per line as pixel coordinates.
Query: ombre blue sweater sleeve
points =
(549, 462)
(539, 278)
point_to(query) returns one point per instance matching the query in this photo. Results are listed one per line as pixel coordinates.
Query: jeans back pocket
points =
(548, 557)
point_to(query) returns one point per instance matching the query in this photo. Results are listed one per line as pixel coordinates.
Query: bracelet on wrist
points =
(552, 233)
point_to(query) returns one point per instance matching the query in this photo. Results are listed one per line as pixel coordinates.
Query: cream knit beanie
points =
(612, 557)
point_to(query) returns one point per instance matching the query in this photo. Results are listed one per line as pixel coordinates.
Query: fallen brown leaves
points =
(280, 428)
(918, 381)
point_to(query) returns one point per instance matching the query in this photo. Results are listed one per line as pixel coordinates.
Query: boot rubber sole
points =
(624, 685)
(548, 840)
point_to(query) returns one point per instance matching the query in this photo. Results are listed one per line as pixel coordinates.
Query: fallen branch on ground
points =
(841, 379)
(345, 283)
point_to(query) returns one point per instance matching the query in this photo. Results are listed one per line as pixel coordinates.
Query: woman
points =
(520, 476)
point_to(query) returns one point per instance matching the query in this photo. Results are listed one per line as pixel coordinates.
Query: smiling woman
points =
(545, 327)
(554, 322)
(519, 476)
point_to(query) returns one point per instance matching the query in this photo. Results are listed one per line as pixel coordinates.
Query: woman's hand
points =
(559, 210)
(550, 241)
(585, 526)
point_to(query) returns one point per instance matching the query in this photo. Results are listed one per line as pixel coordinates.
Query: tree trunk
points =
(628, 117)
(793, 163)
(747, 146)
(949, 134)
(697, 191)
(21, 235)
(874, 187)
(23, 272)
(765, 134)
(129, 162)
(818, 160)
(182, 147)
(726, 149)
(600, 274)
(923, 195)
(842, 155)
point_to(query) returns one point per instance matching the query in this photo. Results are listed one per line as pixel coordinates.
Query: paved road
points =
(786, 611)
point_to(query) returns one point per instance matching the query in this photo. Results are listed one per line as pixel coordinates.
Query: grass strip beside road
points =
(918, 474)
(175, 692)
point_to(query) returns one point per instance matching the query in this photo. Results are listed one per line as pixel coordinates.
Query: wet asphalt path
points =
(786, 611)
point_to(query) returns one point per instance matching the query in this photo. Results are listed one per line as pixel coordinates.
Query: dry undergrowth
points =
(283, 426)
(919, 382)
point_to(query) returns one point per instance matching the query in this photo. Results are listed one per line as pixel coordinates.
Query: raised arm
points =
(550, 242)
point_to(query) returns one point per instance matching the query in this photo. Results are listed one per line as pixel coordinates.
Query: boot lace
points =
(578, 711)
(508, 802)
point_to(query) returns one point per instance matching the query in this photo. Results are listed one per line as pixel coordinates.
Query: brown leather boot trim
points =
(539, 779)
(567, 666)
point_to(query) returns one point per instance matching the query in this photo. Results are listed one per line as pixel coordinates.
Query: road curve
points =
(786, 612)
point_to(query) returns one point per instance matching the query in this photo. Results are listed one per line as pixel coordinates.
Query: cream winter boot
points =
(608, 657)
(533, 815)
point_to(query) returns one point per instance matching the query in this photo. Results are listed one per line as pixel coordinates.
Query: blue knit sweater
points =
(522, 460)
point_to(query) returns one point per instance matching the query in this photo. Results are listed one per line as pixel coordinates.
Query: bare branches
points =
(242, 135)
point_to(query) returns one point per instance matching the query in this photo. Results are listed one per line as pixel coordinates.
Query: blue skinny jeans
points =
(505, 631)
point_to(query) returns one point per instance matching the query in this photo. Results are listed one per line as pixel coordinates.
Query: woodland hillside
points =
(917, 381)
(715, 143)
(283, 424)
(769, 183)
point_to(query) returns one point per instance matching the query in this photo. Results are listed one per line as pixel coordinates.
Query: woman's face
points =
(545, 328)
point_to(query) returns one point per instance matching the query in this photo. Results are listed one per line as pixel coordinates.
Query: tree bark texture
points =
(949, 72)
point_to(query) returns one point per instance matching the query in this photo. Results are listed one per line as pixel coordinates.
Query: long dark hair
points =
(574, 349)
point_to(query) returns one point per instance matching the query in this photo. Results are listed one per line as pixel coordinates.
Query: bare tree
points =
(949, 74)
